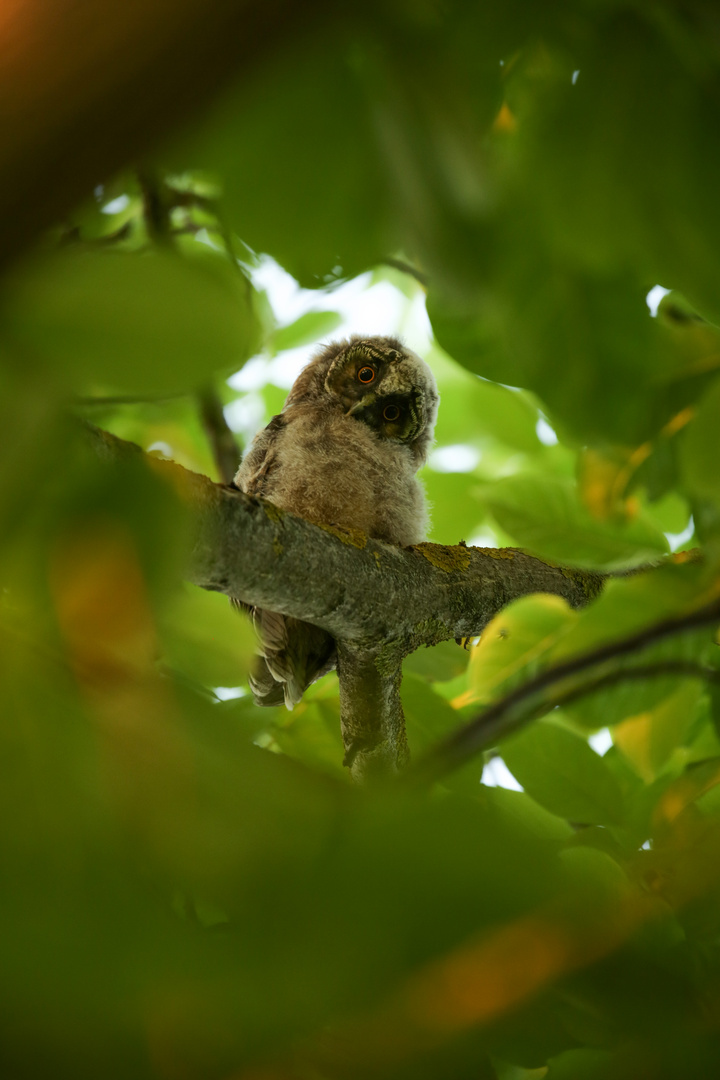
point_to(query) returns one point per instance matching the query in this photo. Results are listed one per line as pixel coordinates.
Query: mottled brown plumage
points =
(355, 428)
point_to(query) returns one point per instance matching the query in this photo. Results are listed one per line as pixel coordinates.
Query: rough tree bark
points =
(379, 602)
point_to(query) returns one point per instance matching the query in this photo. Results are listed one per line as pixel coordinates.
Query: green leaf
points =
(582, 1065)
(308, 328)
(532, 816)
(658, 710)
(627, 605)
(204, 637)
(139, 323)
(544, 515)
(583, 343)
(560, 771)
(440, 663)
(473, 408)
(457, 510)
(622, 162)
(295, 148)
(515, 644)
(429, 717)
(700, 448)
(649, 740)
(311, 734)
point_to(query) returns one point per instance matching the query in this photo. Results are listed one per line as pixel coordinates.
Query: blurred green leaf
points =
(308, 328)
(531, 331)
(428, 716)
(545, 515)
(457, 510)
(519, 805)
(140, 323)
(629, 604)
(700, 447)
(438, 664)
(649, 740)
(581, 1065)
(622, 159)
(206, 639)
(473, 408)
(288, 123)
(515, 644)
(559, 770)
(311, 734)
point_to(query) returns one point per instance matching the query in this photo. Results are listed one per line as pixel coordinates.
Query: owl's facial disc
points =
(364, 403)
(357, 369)
(391, 390)
(399, 417)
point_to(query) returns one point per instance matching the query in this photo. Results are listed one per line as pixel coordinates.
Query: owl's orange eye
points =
(391, 412)
(366, 375)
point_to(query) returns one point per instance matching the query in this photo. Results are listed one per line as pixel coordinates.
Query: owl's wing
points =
(256, 466)
(292, 655)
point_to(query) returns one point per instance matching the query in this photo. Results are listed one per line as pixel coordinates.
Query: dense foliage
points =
(191, 886)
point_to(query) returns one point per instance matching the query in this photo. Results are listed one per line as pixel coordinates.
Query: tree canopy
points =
(193, 887)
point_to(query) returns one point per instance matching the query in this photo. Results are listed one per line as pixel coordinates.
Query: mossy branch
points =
(379, 602)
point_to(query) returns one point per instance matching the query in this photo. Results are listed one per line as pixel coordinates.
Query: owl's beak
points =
(367, 399)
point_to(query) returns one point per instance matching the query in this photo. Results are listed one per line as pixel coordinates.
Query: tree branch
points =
(379, 602)
(520, 706)
(226, 452)
(360, 590)
(371, 715)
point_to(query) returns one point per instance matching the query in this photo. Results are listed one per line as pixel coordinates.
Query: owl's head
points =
(378, 382)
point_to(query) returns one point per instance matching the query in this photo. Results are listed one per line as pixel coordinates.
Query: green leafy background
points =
(191, 887)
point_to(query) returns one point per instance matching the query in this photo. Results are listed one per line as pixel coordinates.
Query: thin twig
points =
(74, 236)
(190, 198)
(128, 399)
(156, 207)
(225, 450)
(407, 268)
(507, 715)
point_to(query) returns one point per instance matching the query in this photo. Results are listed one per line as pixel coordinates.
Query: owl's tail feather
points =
(292, 655)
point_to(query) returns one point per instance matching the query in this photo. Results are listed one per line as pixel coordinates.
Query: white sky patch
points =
(601, 741)
(285, 368)
(116, 206)
(497, 774)
(375, 310)
(483, 539)
(202, 236)
(676, 540)
(227, 693)
(457, 458)
(160, 448)
(364, 308)
(253, 376)
(246, 414)
(545, 433)
(418, 328)
(654, 297)
(284, 293)
(574, 76)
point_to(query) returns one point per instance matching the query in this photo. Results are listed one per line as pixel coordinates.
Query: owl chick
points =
(355, 428)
